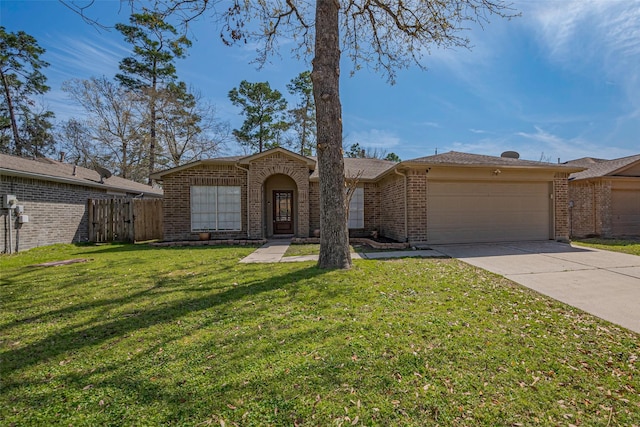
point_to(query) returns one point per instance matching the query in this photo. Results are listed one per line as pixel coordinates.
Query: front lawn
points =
(618, 245)
(187, 336)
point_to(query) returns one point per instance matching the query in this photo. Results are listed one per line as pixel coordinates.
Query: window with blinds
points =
(356, 209)
(215, 208)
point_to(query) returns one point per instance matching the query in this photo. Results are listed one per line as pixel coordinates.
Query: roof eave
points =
(76, 181)
(158, 175)
(311, 164)
(558, 168)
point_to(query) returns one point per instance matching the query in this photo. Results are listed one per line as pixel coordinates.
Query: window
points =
(215, 208)
(356, 209)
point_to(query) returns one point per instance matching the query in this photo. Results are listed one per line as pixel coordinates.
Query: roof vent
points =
(104, 173)
(510, 155)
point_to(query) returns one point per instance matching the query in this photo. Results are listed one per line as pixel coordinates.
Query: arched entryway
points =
(280, 205)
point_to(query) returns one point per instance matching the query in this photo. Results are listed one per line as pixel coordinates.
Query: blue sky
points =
(562, 81)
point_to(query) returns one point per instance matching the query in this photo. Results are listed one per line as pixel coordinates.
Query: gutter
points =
(406, 216)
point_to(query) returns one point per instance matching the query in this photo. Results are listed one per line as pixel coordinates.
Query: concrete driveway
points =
(603, 283)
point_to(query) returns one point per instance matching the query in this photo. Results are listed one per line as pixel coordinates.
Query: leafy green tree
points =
(264, 110)
(393, 157)
(156, 45)
(303, 116)
(22, 78)
(37, 131)
(356, 151)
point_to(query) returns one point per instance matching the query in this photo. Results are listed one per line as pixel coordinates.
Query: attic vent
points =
(510, 155)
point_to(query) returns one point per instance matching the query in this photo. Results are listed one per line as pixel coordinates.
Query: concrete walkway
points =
(274, 250)
(603, 283)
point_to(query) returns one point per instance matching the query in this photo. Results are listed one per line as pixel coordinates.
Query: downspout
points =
(248, 196)
(406, 216)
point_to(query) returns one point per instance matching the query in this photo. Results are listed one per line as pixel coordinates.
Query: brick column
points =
(417, 205)
(561, 206)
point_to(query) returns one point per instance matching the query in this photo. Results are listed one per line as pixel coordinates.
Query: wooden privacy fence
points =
(124, 220)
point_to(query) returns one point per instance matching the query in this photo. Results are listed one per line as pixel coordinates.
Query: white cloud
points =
(554, 146)
(430, 124)
(373, 138)
(87, 57)
(599, 37)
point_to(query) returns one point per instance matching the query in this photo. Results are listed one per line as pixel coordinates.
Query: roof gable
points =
(624, 166)
(246, 160)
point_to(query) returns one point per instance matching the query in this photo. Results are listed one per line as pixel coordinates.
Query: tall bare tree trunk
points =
(12, 116)
(152, 142)
(334, 234)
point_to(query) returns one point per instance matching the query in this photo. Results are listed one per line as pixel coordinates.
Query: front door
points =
(282, 212)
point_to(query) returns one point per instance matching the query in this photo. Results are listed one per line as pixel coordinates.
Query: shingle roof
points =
(371, 168)
(455, 158)
(52, 170)
(585, 161)
(603, 167)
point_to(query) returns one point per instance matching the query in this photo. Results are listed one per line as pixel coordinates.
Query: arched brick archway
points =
(260, 169)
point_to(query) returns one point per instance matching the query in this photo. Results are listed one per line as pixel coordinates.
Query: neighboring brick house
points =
(447, 198)
(604, 199)
(54, 197)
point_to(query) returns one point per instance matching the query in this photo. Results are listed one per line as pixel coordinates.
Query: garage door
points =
(463, 212)
(625, 209)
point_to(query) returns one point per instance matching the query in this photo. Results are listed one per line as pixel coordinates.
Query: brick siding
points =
(314, 207)
(561, 207)
(260, 170)
(591, 212)
(384, 201)
(392, 207)
(57, 212)
(417, 205)
(177, 199)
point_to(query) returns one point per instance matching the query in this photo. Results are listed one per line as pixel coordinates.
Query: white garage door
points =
(463, 212)
(625, 209)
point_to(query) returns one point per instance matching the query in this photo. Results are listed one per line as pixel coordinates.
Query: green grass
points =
(303, 249)
(142, 336)
(618, 245)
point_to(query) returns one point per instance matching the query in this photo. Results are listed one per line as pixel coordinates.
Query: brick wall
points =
(561, 207)
(57, 212)
(591, 212)
(417, 205)
(269, 165)
(177, 199)
(391, 194)
(371, 209)
(314, 207)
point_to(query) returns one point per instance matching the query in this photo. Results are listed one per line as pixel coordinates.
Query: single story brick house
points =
(446, 198)
(54, 197)
(604, 198)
